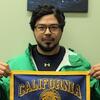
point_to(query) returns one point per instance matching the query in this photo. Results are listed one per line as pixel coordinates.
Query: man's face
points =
(47, 32)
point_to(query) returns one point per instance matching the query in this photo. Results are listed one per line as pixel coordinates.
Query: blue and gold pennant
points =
(49, 85)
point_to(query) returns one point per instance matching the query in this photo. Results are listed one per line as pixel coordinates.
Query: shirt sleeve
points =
(4, 88)
(95, 89)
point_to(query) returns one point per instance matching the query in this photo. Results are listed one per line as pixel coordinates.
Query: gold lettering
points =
(34, 85)
(77, 91)
(40, 84)
(66, 85)
(44, 83)
(57, 84)
(21, 90)
(28, 87)
(72, 87)
(51, 84)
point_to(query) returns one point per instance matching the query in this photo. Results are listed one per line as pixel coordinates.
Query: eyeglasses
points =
(53, 28)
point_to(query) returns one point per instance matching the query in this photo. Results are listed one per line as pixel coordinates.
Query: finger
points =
(2, 67)
(96, 74)
(98, 77)
(94, 69)
(7, 72)
(4, 71)
(1, 72)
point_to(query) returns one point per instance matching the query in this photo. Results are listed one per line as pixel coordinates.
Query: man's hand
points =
(4, 69)
(95, 71)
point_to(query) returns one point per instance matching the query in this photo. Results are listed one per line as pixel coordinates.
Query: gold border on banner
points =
(86, 73)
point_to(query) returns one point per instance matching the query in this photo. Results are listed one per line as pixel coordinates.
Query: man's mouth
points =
(48, 39)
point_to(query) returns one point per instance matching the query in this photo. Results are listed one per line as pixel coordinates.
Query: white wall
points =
(81, 31)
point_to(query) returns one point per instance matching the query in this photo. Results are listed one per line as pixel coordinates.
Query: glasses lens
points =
(54, 28)
(40, 28)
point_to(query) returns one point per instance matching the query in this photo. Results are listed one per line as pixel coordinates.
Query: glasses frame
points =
(53, 28)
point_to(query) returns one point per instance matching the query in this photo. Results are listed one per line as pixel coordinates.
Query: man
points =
(47, 23)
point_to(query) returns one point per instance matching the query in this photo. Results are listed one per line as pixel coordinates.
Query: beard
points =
(47, 48)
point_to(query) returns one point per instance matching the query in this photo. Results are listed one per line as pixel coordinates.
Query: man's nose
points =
(47, 31)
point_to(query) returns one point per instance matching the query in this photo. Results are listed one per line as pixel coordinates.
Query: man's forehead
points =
(51, 19)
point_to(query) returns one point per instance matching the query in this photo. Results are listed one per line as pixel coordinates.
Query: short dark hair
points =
(46, 10)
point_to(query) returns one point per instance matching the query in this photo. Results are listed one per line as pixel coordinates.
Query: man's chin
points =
(47, 48)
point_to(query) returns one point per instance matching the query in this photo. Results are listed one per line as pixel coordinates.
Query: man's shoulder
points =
(19, 60)
(77, 59)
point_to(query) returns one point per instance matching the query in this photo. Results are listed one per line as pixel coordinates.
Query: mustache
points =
(48, 39)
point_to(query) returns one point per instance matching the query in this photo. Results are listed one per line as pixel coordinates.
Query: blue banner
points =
(50, 86)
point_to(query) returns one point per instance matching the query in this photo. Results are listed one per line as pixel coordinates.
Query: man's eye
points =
(41, 28)
(54, 27)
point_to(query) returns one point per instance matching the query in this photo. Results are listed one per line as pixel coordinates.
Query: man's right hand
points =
(4, 70)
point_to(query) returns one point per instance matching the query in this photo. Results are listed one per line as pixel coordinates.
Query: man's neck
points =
(53, 52)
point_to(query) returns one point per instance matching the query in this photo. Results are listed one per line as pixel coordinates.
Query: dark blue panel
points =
(64, 5)
(61, 86)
